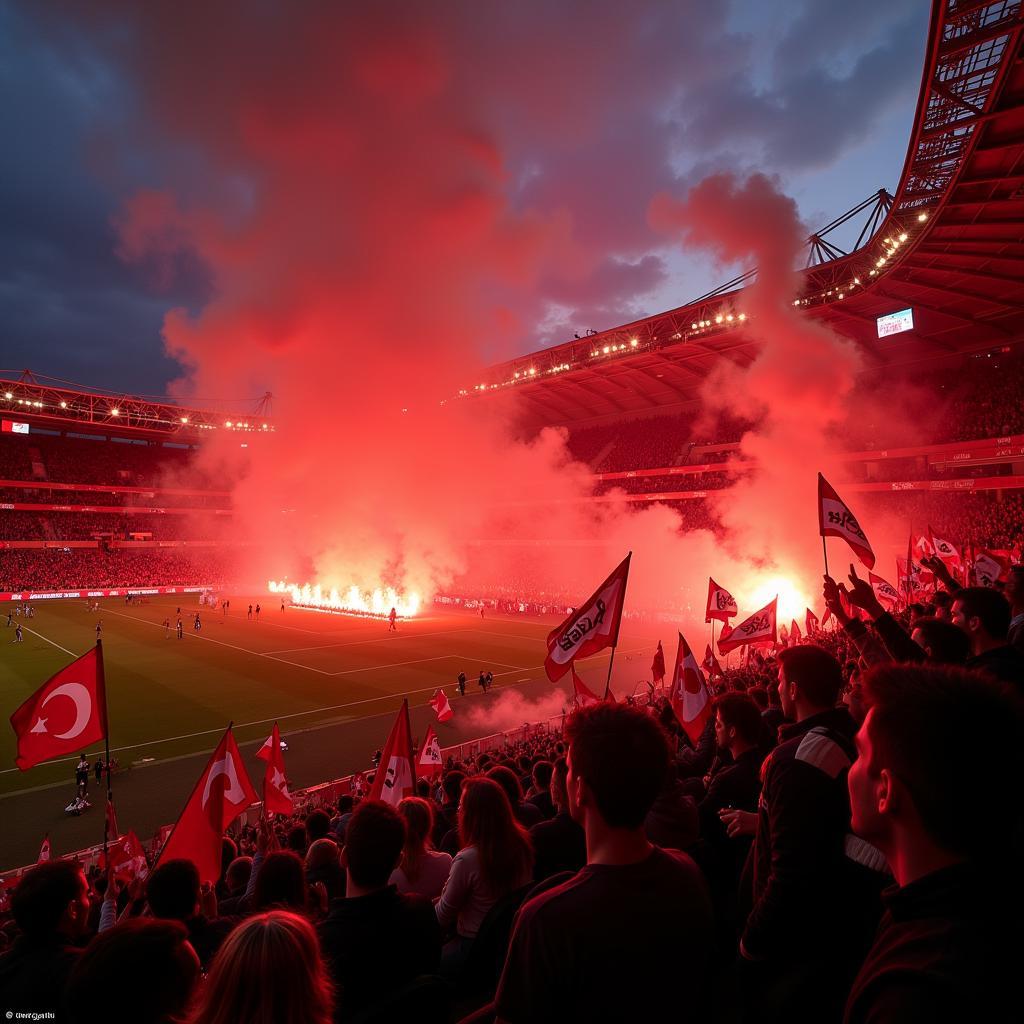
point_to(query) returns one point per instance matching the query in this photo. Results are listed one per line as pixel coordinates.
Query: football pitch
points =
(332, 682)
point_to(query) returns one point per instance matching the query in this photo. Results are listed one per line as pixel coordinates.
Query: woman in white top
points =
(422, 869)
(496, 858)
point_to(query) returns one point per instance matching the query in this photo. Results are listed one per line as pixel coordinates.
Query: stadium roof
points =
(949, 246)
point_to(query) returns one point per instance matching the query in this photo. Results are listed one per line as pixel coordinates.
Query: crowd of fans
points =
(815, 853)
(21, 525)
(79, 568)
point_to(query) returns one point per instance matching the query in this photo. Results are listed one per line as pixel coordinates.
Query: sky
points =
(474, 180)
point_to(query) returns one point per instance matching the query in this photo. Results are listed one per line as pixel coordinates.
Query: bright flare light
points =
(793, 602)
(353, 602)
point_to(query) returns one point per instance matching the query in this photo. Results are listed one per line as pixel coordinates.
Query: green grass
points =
(170, 697)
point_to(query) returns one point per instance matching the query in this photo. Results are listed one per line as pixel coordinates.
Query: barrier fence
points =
(322, 794)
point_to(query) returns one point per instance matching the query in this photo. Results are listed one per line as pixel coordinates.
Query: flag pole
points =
(608, 681)
(611, 660)
(106, 747)
(824, 551)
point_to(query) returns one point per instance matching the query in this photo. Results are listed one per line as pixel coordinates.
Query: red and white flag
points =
(925, 546)
(430, 763)
(914, 578)
(812, 623)
(65, 715)
(756, 628)
(396, 773)
(583, 696)
(721, 604)
(688, 693)
(826, 616)
(221, 794)
(591, 628)
(710, 664)
(795, 635)
(784, 635)
(658, 665)
(836, 520)
(989, 566)
(439, 702)
(13, 427)
(128, 858)
(44, 851)
(276, 797)
(884, 591)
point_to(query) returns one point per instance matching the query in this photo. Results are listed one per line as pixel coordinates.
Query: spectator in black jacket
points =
(558, 844)
(804, 935)
(985, 614)
(949, 946)
(51, 909)
(1015, 595)
(376, 940)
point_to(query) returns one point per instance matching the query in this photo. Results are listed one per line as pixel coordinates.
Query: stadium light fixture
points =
(63, 405)
(8, 395)
(903, 237)
(115, 412)
(606, 349)
(922, 217)
(184, 419)
(634, 342)
(718, 319)
(743, 316)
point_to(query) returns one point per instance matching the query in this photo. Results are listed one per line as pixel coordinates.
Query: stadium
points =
(180, 563)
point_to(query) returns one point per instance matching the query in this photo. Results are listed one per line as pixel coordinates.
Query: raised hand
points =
(833, 601)
(861, 595)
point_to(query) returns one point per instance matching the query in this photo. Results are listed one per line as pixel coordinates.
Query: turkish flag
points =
(836, 520)
(710, 664)
(127, 859)
(430, 762)
(221, 794)
(812, 622)
(658, 665)
(758, 627)
(591, 628)
(44, 851)
(396, 774)
(439, 702)
(582, 694)
(721, 604)
(276, 798)
(794, 632)
(688, 693)
(65, 715)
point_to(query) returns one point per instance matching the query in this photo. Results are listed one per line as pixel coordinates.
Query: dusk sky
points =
(501, 159)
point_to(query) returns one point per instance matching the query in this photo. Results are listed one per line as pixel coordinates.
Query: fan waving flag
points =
(591, 628)
(439, 702)
(721, 604)
(221, 794)
(758, 627)
(658, 665)
(276, 798)
(583, 696)
(688, 694)
(836, 520)
(396, 773)
(65, 715)
(430, 763)
(812, 623)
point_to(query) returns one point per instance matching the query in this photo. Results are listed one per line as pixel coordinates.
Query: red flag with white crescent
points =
(590, 628)
(430, 763)
(759, 627)
(710, 664)
(721, 604)
(439, 702)
(127, 858)
(66, 713)
(811, 621)
(396, 774)
(836, 520)
(688, 693)
(276, 797)
(44, 850)
(221, 794)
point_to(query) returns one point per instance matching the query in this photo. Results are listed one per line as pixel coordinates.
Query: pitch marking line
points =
(282, 718)
(49, 641)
